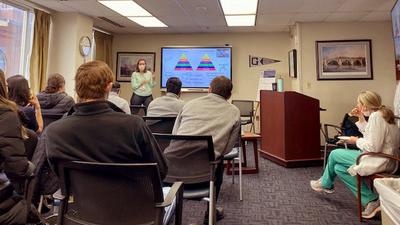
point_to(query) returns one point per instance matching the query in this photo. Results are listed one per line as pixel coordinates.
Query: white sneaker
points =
(371, 209)
(316, 185)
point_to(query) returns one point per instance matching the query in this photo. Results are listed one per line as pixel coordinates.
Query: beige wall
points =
(339, 96)
(64, 56)
(245, 79)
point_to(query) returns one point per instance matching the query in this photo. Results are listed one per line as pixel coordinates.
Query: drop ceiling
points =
(187, 16)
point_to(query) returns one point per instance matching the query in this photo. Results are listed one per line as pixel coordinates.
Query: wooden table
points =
(249, 137)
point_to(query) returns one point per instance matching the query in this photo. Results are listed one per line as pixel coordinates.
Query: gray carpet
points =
(280, 196)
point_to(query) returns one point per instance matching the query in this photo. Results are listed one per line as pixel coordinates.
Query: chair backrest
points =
(30, 143)
(139, 110)
(163, 125)
(113, 194)
(49, 118)
(246, 107)
(189, 157)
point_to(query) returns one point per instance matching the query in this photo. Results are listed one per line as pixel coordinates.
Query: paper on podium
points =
(267, 78)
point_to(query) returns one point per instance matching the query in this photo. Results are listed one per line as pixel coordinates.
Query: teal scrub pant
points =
(338, 162)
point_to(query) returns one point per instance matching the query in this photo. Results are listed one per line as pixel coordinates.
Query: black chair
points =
(30, 143)
(163, 125)
(246, 108)
(114, 194)
(49, 118)
(195, 166)
(139, 110)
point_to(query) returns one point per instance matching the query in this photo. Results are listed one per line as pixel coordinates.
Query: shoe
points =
(371, 209)
(220, 215)
(316, 185)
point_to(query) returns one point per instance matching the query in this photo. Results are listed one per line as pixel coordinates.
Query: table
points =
(249, 137)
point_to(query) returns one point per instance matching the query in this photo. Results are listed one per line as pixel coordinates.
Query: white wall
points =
(338, 97)
(64, 56)
(245, 79)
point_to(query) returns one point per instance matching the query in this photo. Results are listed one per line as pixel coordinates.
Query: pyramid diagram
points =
(206, 64)
(183, 64)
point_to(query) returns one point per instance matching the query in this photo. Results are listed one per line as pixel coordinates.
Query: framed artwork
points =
(126, 63)
(344, 60)
(293, 63)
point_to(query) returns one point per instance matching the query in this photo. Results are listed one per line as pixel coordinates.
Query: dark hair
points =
(221, 86)
(54, 83)
(137, 66)
(115, 87)
(91, 80)
(174, 85)
(18, 90)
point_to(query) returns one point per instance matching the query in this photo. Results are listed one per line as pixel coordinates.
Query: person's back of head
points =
(93, 81)
(4, 102)
(372, 101)
(174, 85)
(116, 87)
(55, 83)
(18, 90)
(221, 86)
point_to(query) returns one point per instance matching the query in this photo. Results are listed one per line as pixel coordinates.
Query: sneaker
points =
(316, 185)
(371, 209)
(220, 215)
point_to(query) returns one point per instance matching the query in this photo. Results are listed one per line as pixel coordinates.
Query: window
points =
(16, 29)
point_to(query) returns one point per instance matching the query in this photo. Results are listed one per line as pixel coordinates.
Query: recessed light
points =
(148, 21)
(241, 20)
(126, 8)
(239, 7)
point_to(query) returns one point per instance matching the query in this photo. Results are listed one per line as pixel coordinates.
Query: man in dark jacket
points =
(14, 170)
(95, 132)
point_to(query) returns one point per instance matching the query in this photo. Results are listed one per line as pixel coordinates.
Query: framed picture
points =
(126, 63)
(293, 63)
(344, 60)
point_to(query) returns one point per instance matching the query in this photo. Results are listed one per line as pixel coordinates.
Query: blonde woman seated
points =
(380, 135)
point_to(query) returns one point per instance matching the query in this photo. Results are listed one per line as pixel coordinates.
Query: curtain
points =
(103, 47)
(40, 50)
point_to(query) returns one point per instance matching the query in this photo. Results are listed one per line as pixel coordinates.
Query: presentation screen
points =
(195, 66)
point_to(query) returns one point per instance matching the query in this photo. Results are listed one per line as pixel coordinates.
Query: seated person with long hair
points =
(54, 100)
(380, 135)
(27, 103)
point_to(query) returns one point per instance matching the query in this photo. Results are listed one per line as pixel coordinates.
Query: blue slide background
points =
(220, 57)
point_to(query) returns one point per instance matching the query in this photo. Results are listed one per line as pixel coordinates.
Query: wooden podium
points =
(290, 126)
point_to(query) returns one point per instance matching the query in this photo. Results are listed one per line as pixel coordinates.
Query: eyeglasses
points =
(142, 64)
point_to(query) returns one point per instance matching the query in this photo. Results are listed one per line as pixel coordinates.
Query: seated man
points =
(168, 105)
(95, 132)
(210, 115)
(118, 101)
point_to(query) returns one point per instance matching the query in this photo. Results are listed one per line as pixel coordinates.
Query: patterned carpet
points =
(280, 196)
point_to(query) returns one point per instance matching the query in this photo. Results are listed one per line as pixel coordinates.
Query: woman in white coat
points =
(380, 135)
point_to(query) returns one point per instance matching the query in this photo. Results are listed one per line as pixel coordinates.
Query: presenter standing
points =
(142, 82)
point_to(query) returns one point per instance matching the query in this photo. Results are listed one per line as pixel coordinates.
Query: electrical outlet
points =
(308, 85)
(257, 118)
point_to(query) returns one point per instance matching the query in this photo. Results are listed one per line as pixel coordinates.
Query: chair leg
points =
(240, 175)
(325, 153)
(359, 197)
(212, 210)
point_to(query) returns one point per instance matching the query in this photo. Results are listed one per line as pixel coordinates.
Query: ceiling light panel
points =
(239, 7)
(126, 8)
(241, 20)
(148, 21)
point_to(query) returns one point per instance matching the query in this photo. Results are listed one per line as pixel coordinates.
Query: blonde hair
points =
(373, 101)
(92, 79)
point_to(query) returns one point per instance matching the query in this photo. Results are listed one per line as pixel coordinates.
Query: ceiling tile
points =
(342, 17)
(376, 16)
(274, 19)
(320, 6)
(360, 5)
(310, 17)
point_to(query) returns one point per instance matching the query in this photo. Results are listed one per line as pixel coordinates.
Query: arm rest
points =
(376, 154)
(176, 188)
(326, 132)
